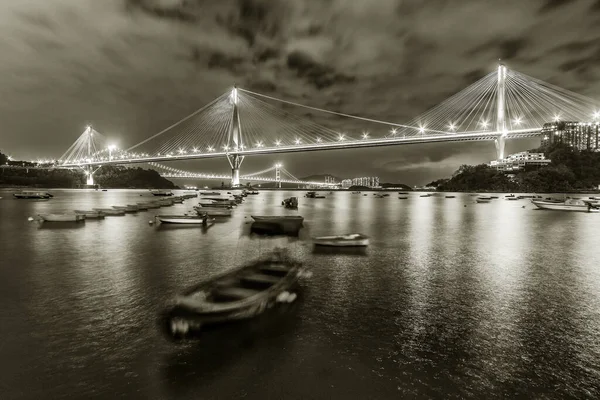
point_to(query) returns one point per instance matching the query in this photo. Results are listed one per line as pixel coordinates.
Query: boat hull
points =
(189, 313)
(62, 217)
(564, 207)
(165, 219)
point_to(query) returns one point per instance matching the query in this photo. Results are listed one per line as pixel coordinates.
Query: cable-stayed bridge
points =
(502, 105)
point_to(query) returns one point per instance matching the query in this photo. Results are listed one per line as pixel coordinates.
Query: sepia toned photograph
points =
(307, 199)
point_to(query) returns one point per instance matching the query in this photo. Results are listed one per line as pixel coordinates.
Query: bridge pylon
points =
(501, 112)
(278, 175)
(235, 139)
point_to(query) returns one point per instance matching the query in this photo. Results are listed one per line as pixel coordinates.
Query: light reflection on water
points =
(482, 300)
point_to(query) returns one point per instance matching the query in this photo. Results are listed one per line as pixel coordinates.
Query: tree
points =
(3, 158)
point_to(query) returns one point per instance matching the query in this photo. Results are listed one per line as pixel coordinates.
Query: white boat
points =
(182, 219)
(30, 194)
(483, 199)
(160, 192)
(62, 217)
(350, 240)
(567, 205)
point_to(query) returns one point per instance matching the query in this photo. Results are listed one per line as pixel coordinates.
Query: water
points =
(488, 300)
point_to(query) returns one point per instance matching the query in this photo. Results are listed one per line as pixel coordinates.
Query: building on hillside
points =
(580, 135)
(346, 183)
(517, 161)
(369, 181)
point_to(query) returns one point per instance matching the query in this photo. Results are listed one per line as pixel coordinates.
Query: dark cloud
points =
(134, 66)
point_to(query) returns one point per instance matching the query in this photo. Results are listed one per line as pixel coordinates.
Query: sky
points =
(133, 67)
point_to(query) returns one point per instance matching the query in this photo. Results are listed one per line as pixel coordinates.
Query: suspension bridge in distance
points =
(502, 105)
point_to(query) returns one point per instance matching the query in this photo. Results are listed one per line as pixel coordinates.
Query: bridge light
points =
(518, 121)
(297, 141)
(341, 137)
(365, 135)
(277, 142)
(318, 140)
(556, 118)
(211, 149)
(393, 131)
(596, 114)
(225, 147)
(421, 129)
(452, 127)
(484, 124)
(259, 144)
(181, 151)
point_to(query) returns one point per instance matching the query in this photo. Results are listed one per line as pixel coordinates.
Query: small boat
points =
(210, 193)
(183, 219)
(402, 192)
(402, 197)
(450, 197)
(61, 217)
(215, 204)
(483, 199)
(355, 192)
(292, 202)
(110, 211)
(104, 190)
(493, 197)
(314, 195)
(239, 294)
(277, 224)
(30, 194)
(89, 214)
(127, 209)
(252, 192)
(160, 192)
(213, 211)
(379, 196)
(426, 195)
(140, 207)
(148, 206)
(164, 202)
(567, 205)
(364, 194)
(177, 200)
(350, 240)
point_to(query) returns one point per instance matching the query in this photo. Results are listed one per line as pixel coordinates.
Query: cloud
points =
(132, 67)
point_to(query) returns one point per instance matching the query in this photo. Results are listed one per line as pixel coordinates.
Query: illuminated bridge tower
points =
(235, 139)
(88, 169)
(278, 175)
(501, 118)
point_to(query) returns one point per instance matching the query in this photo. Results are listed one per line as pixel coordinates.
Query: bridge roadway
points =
(346, 144)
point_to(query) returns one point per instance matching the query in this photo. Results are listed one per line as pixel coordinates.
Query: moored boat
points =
(450, 197)
(148, 206)
(89, 214)
(236, 295)
(62, 217)
(183, 219)
(314, 195)
(567, 205)
(110, 211)
(160, 192)
(213, 211)
(277, 224)
(402, 197)
(350, 240)
(291, 202)
(127, 209)
(31, 194)
(483, 199)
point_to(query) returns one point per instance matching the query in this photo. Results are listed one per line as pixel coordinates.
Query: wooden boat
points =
(350, 240)
(214, 203)
(160, 192)
(110, 211)
(213, 211)
(140, 207)
(164, 202)
(314, 195)
(483, 199)
(567, 205)
(277, 224)
(183, 219)
(177, 200)
(239, 294)
(291, 202)
(148, 206)
(30, 194)
(61, 217)
(89, 214)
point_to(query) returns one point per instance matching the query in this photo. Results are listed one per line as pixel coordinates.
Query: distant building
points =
(369, 181)
(580, 135)
(346, 183)
(517, 161)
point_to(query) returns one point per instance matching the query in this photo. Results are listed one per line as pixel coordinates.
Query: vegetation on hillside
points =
(570, 170)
